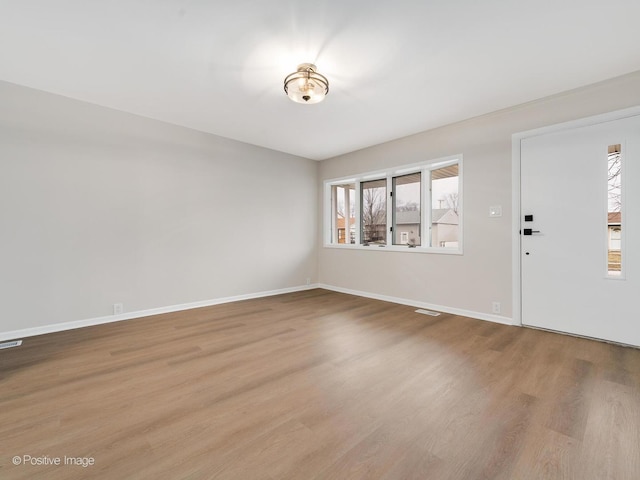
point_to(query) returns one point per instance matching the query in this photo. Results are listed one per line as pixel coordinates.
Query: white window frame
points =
(425, 168)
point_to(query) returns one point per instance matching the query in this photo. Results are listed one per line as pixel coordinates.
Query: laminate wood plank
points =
(570, 409)
(549, 455)
(612, 437)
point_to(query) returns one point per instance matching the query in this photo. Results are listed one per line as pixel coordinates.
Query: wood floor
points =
(319, 385)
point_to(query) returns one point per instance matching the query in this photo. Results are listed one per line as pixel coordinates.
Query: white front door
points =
(574, 278)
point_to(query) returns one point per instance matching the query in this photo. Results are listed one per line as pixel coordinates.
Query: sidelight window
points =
(614, 211)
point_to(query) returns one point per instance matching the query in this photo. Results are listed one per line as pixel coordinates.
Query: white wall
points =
(100, 207)
(483, 274)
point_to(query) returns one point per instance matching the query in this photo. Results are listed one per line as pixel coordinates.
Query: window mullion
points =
(426, 229)
(390, 194)
(358, 198)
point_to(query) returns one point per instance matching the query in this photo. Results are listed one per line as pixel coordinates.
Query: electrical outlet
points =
(308, 281)
(117, 308)
(495, 307)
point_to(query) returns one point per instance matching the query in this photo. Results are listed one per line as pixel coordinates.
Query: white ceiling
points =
(395, 67)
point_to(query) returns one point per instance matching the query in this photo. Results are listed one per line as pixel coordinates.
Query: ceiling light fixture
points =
(306, 85)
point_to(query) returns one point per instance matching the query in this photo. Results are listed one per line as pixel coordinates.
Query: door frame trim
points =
(516, 139)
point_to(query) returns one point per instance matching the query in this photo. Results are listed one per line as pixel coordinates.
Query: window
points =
(407, 221)
(343, 221)
(373, 212)
(614, 211)
(444, 207)
(615, 240)
(411, 208)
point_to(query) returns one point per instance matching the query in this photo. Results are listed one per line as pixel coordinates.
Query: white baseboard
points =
(59, 327)
(429, 306)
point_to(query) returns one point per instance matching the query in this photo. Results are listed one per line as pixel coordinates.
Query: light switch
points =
(495, 211)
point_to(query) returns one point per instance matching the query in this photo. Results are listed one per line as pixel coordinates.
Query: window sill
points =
(397, 248)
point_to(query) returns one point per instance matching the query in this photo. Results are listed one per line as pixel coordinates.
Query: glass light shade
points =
(306, 85)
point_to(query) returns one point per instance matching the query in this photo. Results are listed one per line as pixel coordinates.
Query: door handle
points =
(528, 231)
